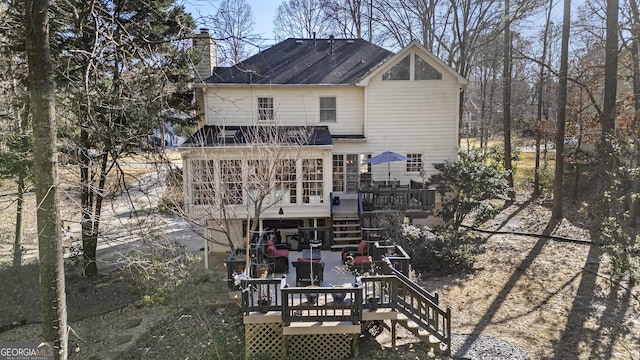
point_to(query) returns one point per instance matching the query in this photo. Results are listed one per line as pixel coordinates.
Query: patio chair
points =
(303, 272)
(277, 256)
(357, 257)
(384, 195)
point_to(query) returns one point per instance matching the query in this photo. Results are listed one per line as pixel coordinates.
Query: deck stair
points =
(388, 295)
(346, 223)
(421, 333)
(346, 232)
(419, 312)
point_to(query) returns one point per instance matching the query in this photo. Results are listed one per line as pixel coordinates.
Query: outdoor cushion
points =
(362, 260)
(271, 250)
(362, 247)
(281, 252)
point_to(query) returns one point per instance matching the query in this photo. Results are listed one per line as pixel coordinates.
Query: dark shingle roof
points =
(212, 135)
(305, 61)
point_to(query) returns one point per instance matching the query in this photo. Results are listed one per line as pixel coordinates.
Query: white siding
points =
(294, 105)
(407, 116)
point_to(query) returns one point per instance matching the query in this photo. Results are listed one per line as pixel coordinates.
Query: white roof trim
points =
(414, 44)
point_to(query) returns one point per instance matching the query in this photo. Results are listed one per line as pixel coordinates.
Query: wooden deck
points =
(314, 317)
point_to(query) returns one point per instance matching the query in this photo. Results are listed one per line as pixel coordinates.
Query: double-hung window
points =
(265, 108)
(328, 109)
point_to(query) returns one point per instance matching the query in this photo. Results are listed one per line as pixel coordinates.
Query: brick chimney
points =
(204, 46)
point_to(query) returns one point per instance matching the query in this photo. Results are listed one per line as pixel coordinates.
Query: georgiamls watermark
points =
(26, 351)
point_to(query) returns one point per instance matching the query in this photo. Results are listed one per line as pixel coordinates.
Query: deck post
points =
(393, 335)
(355, 347)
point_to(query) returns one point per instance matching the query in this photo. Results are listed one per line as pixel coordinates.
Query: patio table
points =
(312, 253)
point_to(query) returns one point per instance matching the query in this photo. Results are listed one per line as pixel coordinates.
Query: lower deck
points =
(324, 321)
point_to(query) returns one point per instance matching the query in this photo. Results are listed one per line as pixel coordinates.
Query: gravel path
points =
(481, 347)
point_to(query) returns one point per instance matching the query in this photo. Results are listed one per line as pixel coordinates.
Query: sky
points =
(263, 11)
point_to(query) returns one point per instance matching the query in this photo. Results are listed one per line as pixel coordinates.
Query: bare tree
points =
(635, 49)
(348, 17)
(300, 19)
(607, 119)
(506, 97)
(539, 125)
(233, 26)
(398, 22)
(52, 281)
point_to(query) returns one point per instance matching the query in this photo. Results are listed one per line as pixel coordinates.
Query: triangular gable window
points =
(399, 71)
(424, 71)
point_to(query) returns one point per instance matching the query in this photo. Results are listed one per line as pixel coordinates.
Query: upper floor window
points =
(399, 71)
(265, 108)
(328, 108)
(424, 71)
(414, 164)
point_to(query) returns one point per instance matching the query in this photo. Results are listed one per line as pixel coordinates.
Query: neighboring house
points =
(585, 126)
(470, 120)
(320, 108)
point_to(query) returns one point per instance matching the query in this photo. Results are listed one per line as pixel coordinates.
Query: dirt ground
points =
(552, 299)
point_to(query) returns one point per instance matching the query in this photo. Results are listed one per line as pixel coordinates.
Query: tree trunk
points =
(52, 282)
(506, 100)
(635, 46)
(556, 211)
(539, 127)
(607, 119)
(89, 236)
(17, 242)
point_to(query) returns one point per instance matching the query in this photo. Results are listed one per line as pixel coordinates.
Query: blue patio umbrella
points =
(387, 157)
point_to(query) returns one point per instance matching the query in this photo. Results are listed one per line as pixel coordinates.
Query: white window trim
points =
(273, 108)
(320, 109)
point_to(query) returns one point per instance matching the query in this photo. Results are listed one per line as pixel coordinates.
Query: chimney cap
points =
(204, 30)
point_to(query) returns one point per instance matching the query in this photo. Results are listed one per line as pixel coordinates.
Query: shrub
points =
(155, 273)
(391, 221)
(438, 250)
(625, 253)
(465, 184)
(172, 198)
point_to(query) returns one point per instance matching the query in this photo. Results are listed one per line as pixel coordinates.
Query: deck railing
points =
(307, 304)
(262, 294)
(393, 290)
(420, 306)
(395, 254)
(398, 199)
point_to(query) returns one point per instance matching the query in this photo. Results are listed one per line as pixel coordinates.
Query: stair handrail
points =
(436, 320)
(388, 269)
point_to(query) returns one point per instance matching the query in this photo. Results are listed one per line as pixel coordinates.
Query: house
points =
(471, 124)
(290, 129)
